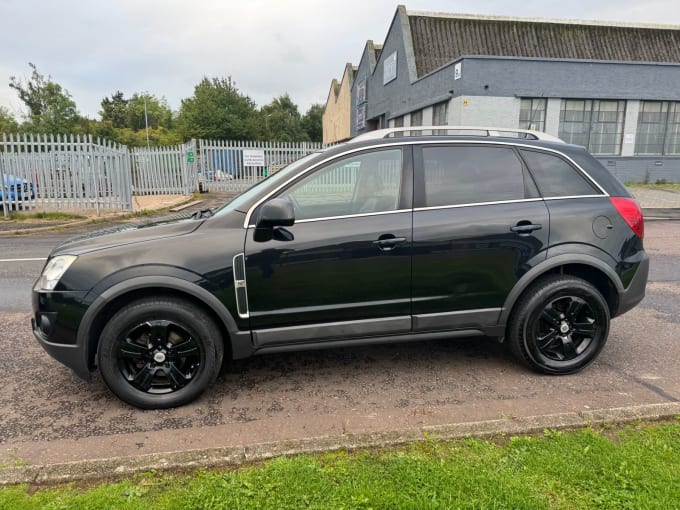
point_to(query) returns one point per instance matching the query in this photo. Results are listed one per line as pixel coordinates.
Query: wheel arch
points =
(113, 299)
(587, 267)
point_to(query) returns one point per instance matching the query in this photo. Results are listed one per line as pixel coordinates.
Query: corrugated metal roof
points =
(440, 39)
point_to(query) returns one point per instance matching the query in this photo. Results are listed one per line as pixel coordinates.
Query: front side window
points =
(470, 175)
(658, 129)
(532, 114)
(595, 124)
(363, 183)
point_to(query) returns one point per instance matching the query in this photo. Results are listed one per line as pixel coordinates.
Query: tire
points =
(157, 353)
(559, 325)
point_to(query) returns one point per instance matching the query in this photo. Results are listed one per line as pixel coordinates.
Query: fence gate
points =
(221, 166)
(57, 172)
(163, 170)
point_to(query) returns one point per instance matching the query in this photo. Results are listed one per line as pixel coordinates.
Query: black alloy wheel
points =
(565, 328)
(159, 356)
(559, 325)
(160, 352)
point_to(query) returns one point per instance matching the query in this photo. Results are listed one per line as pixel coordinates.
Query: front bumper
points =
(55, 323)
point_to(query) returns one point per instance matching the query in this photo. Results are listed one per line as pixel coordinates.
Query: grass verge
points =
(59, 216)
(668, 186)
(634, 467)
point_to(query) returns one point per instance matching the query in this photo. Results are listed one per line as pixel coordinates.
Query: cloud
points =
(267, 47)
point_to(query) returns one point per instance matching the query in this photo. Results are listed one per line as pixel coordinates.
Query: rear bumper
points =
(635, 292)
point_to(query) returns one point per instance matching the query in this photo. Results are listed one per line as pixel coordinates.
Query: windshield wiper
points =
(205, 213)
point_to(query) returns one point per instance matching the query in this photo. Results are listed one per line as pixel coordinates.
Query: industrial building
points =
(611, 87)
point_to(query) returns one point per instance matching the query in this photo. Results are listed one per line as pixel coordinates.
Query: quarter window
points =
(555, 177)
(364, 183)
(467, 175)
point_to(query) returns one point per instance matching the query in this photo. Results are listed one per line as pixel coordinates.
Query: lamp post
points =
(146, 123)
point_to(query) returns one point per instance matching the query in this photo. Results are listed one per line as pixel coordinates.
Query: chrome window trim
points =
(474, 204)
(357, 215)
(383, 143)
(575, 196)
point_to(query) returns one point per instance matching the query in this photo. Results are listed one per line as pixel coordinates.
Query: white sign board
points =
(390, 68)
(458, 71)
(253, 157)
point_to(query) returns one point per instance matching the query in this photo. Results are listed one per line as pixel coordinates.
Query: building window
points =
(361, 116)
(361, 91)
(440, 114)
(532, 114)
(399, 121)
(658, 129)
(417, 118)
(593, 123)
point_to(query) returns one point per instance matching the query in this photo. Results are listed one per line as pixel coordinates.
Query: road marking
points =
(23, 260)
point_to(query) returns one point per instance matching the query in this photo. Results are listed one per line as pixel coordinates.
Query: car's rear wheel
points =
(160, 352)
(559, 325)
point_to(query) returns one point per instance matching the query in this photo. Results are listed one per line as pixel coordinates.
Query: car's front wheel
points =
(559, 325)
(157, 353)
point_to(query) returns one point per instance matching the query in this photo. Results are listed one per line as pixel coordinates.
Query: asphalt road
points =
(48, 415)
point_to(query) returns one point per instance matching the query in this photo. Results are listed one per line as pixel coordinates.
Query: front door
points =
(343, 269)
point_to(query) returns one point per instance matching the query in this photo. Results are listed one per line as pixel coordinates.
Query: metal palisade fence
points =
(228, 165)
(77, 172)
(63, 172)
(164, 170)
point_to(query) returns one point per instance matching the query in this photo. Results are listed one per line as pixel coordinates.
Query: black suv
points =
(390, 237)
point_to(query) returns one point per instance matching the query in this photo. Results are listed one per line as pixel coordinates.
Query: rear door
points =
(478, 226)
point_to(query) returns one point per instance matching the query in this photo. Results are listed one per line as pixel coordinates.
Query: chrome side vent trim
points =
(239, 267)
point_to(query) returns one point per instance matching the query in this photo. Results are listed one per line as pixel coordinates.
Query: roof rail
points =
(457, 130)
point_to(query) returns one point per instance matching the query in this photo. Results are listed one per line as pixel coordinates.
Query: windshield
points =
(271, 181)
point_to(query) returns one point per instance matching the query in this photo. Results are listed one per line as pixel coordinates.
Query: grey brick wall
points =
(643, 169)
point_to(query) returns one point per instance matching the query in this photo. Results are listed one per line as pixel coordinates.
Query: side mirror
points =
(278, 212)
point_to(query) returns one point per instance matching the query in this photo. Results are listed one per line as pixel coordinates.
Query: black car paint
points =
(194, 258)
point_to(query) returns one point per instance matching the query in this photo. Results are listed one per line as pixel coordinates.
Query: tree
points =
(51, 108)
(312, 123)
(158, 112)
(282, 120)
(8, 123)
(218, 110)
(115, 110)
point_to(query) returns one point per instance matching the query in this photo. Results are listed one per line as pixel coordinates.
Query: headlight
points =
(53, 271)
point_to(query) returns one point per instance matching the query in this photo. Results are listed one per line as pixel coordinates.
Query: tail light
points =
(631, 212)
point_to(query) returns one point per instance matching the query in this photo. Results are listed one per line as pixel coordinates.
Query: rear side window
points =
(555, 177)
(469, 175)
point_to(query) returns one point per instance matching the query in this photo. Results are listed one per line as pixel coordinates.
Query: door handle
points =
(389, 243)
(525, 228)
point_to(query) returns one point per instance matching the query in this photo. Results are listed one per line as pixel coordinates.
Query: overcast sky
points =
(268, 47)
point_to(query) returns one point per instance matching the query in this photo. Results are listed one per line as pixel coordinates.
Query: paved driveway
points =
(48, 415)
